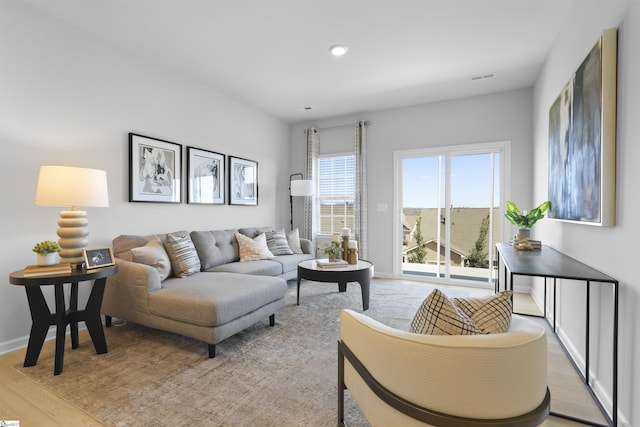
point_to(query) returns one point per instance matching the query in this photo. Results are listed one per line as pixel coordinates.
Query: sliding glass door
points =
(448, 203)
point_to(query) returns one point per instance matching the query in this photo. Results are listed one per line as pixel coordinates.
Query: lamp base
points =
(73, 232)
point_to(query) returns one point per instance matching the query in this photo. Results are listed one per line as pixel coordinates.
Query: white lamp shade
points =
(302, 187)
(72, 186)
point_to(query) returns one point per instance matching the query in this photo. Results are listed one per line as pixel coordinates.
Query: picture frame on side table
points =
(243, 181)
(155, 168)
(206, 177)
(97, 258)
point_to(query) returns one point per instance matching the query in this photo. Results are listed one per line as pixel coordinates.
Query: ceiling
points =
(274, 54)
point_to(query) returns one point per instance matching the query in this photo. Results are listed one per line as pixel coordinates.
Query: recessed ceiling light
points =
(338, 50)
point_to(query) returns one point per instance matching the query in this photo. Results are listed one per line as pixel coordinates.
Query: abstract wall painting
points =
(582, 140)
(155, 167)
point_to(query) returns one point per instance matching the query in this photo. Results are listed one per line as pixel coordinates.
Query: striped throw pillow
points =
(277, 243)
(182, 253)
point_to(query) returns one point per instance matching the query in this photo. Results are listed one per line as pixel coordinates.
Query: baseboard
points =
(21, 342)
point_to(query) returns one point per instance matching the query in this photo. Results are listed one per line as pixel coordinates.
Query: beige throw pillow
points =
(153, 254)
(182, 253)
(253, 249)
(439, 316)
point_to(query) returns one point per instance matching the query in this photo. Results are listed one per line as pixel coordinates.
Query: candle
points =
(346, 231)
(335, 238)
(353, 244)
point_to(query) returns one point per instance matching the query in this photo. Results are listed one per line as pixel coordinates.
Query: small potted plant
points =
(46, 251)
(333, 250)
(525, 220)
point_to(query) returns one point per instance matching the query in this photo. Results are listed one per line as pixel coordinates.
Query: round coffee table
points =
(360, 272)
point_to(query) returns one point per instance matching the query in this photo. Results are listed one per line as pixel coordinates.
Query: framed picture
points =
(205, 176)
(155, 168)
(582, 140)
(243, 181)
(96, 258)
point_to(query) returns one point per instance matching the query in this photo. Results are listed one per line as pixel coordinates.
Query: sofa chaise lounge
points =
(208, 294)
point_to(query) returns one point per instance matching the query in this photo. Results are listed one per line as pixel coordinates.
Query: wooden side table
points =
(42, 317)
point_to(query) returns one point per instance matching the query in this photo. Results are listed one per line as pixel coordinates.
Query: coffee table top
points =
(311, 264)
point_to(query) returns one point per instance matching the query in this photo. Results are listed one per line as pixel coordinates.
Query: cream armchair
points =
(403, 379)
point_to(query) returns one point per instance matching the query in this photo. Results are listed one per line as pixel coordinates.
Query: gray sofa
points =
(223, 297)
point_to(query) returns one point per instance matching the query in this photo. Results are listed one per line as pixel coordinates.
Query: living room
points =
(68, 97)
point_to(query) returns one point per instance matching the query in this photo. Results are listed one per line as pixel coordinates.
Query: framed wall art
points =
(155, 168)
(582, 140)
(243, 181)
(206, 179)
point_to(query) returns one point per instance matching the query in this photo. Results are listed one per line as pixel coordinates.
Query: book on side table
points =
(47, 270)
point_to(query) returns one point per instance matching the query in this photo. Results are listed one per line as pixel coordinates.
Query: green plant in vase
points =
(333, 251)
(525, 220)
(46, 251)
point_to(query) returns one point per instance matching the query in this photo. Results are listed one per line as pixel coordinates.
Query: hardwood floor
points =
(23, 399)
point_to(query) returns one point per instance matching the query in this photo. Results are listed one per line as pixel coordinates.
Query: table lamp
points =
(298, 188)
(72, 186)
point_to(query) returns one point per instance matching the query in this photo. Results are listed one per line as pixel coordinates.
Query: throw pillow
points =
(439, 316)
(253, 249)
(153, 254)
(492, 314)
(277, 243)
(182, 253)
(293, 237)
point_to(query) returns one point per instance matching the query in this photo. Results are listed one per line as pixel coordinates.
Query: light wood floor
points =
(23, 399)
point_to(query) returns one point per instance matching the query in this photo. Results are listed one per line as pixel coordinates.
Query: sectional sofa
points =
(206, 285)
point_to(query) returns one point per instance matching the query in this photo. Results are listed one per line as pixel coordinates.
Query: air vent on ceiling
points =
(483, 76)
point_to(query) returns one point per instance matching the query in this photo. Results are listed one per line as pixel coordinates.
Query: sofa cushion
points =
(212, 299)
(215, 247)
(290, 262)
(293, 238)
(253, 249)
(264, 267)
(492, 314)
(182, 253)
(153, 254)
(277, 243)
(439, 316)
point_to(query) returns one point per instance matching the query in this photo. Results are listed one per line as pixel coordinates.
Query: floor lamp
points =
(298, 188)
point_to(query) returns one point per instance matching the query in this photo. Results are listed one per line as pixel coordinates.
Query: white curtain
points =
(361, 209)
(310, 214)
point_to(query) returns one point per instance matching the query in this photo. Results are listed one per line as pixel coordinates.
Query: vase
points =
(524, 232)
(46, 259)
(332, 258)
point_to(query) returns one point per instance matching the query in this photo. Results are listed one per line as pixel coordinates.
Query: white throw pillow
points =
(293, 237)
(253, 249)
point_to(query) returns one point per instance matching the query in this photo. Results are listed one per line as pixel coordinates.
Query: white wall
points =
(68, 98)
(503, 116)
(611, 250)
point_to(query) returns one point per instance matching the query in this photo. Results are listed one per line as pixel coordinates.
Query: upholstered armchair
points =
(400, 378)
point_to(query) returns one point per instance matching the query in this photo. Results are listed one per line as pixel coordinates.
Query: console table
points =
(42, 317)
(549, 263)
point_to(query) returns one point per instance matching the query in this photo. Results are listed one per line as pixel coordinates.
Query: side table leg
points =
(61, 328)
(91, 316)
(342, 286)
(40, 321)
(73, 307)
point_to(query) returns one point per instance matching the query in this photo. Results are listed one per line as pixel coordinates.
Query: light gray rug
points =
(284, 375)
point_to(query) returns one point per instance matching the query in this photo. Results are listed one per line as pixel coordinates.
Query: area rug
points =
(284, 375)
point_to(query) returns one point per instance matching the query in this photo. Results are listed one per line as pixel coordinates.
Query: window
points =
(336, 195)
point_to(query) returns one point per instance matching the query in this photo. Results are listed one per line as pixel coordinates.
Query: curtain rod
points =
(366, 123)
